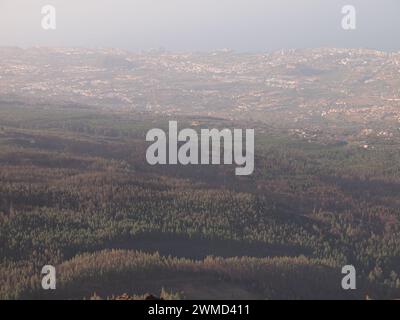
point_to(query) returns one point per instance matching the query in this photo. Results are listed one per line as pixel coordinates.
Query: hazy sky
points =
(191, 25)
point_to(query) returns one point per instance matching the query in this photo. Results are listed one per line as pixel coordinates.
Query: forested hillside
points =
(76, 193)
